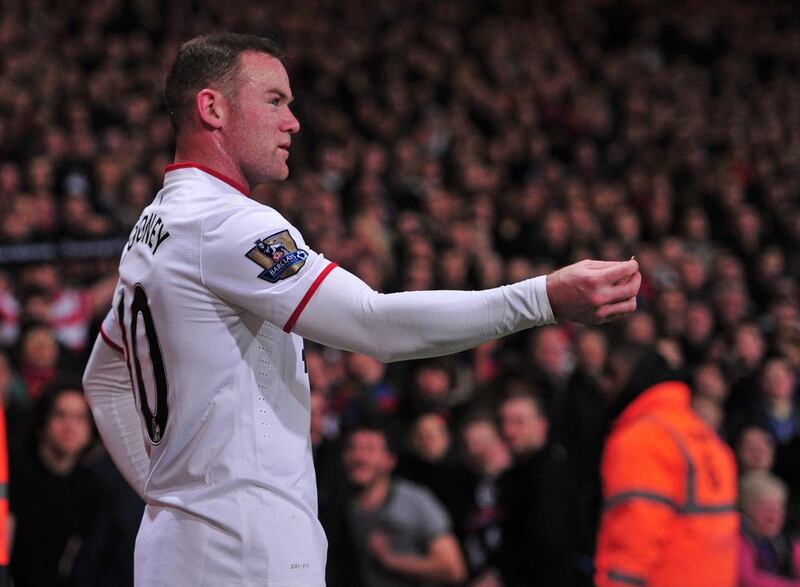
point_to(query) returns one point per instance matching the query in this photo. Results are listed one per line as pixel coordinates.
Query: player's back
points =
(222, 393)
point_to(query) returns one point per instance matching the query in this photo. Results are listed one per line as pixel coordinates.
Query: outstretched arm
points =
(346, 313)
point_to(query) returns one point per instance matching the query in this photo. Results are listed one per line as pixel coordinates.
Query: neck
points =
(210, 154)
(373, 496)
(56, 462)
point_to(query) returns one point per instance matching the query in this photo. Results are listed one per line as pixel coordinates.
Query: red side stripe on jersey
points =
(110, 342)
(304, 302)
(208, 170)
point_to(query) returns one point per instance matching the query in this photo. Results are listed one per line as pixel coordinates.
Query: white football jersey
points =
(211, 283)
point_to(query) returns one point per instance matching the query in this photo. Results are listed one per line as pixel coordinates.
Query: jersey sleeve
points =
(257, 260)
(111, 333)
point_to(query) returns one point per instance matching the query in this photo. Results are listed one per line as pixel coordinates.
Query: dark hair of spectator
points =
(477, 416)
(209, 60)
(45, 405)
(530, 394)
(373, 428)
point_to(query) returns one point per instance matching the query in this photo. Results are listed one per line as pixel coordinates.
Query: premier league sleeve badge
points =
(278, 255)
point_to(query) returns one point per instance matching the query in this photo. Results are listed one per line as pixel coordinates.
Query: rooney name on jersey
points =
(149, 226)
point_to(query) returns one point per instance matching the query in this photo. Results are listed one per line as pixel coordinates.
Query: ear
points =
(391, 461)
(212, 108)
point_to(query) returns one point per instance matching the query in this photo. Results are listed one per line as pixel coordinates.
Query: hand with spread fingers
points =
(593, 292)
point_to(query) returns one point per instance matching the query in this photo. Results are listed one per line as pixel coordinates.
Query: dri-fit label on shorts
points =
(278, 255)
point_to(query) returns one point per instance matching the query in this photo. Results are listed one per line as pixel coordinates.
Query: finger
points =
(611, 311)
(619, 271)
(596, 264)
(625, 289)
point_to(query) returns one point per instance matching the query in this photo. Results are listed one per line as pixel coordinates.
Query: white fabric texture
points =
(346, 313)
(220, 390)
(107, 386)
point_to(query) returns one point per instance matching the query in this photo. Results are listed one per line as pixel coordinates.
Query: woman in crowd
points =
(768, 556)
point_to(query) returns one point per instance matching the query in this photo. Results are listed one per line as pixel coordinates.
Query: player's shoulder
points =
(243, 213)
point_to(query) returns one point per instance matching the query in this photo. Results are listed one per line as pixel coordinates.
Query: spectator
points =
(776, 408)
(550, 354)
(663, 472)
(768, 556)
(332, 496)
(106, 553)
(373, 396)
(537, 499)
(68, 310)
(431, 389)
(744, 361)
(53, 497)
(487, 457)
(709, 412)
(39, 357)
(432, 462)
(583, 428)
(9, 312)
(402, 534)
(755, 451)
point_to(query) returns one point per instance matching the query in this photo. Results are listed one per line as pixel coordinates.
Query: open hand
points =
(593, 292)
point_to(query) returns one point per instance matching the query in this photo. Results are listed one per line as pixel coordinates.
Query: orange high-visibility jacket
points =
(669, 490)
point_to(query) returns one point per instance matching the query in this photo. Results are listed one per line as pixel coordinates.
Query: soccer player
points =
(197, 381)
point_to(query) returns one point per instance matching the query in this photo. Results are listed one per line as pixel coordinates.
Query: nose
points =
(291, 124)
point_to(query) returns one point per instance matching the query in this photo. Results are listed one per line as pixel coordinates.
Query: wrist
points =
(542, 299)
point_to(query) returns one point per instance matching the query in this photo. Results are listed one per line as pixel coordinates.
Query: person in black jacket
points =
(53, 497)
(536, 498)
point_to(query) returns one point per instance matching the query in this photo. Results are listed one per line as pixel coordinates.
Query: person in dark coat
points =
(53, 497)
(537, 501)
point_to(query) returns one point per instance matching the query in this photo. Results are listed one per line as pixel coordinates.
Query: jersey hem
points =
(287, 328)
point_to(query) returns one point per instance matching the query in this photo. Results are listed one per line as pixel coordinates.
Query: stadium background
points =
(444, 144)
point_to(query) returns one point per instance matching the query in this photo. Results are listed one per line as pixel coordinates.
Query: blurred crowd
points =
(445, 144)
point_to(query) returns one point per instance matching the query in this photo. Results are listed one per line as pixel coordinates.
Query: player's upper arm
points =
(253, 258)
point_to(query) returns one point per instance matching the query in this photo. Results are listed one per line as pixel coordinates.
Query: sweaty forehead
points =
(263, 72)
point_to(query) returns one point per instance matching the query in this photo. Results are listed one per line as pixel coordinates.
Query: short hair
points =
(371, 426)
(45, 405)
(205, 60)
(758, 484)
(532, 396)
(475, 417)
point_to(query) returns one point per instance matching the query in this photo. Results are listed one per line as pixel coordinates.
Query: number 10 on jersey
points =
(155, 421)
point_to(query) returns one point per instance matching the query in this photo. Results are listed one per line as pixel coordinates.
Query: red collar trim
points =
(234, 184)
